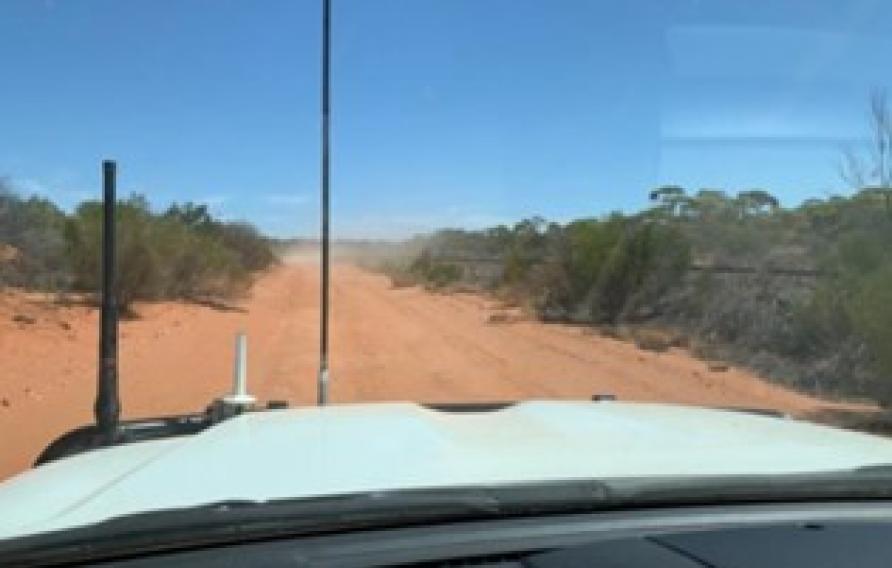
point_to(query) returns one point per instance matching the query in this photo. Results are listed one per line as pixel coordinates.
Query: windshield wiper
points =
(245, 520)
(240, 521)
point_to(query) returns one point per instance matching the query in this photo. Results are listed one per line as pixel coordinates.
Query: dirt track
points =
(387, 344)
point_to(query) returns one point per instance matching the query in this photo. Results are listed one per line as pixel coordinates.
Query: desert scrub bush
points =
(434, 273)
(656, 339)
(33, 229)
(254, 251)
(442, 274)
(802, 294)
(402, 280)
(180, 255)
(245, 241)
(139, 257)
(646, 261)
(870, 310)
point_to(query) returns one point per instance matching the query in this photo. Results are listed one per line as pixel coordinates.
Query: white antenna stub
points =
(239, 396)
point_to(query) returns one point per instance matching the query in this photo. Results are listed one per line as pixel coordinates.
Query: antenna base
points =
(323, 386)
(243, 400)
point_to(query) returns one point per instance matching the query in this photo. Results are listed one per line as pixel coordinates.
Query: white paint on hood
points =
(341, 449)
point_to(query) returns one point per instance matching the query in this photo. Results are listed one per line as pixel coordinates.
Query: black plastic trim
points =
(460, 407)
(90, 437)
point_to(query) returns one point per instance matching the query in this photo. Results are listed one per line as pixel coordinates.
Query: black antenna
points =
(108, 407)
(322, 391)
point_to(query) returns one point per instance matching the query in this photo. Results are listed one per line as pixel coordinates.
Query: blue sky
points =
(446, 112)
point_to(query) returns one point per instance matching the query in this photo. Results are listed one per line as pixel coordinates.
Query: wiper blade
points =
(869, 483)
(245, 520)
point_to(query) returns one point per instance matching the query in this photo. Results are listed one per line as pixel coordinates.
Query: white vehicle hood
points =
(341, 449)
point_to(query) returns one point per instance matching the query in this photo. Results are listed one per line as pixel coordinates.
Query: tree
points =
(710, 204)
(873, 173)
(192, 215)
(526, 249)
(756, 202)
(672, 199)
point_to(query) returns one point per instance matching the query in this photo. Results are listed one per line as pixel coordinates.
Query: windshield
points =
(680, 203)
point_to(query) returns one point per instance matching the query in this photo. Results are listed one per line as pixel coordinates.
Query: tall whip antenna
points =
(107, 408)
(322, 391)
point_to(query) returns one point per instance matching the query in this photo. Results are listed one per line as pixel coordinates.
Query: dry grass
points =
(398, 281)
(462, 288)
(506, 316)
(9, 253)
(653, 339)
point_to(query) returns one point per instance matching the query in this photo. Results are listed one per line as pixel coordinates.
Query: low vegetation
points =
(802, 294)
(181, 253)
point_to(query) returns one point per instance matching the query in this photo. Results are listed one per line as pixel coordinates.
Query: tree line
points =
(182, 252)
(830, 332)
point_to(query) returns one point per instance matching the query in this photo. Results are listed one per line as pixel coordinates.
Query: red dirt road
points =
(387, 344)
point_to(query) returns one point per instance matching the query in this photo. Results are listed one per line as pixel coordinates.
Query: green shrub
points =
(443, 274)
(253, 250)
(646, 261)
(434, 273)
(870, 310)
(177, 256)
(33, 229)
